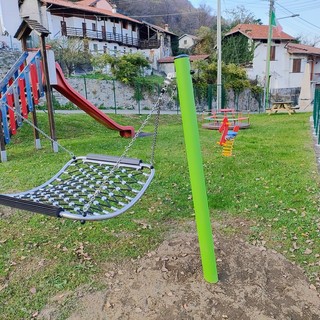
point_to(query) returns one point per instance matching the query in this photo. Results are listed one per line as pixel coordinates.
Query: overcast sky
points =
(307, 24)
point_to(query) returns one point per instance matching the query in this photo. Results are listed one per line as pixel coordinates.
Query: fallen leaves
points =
(81, 254)
(307, 251)
(33, 290)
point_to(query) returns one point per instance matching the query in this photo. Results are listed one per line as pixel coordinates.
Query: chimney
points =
(114, 8)
(166, 27)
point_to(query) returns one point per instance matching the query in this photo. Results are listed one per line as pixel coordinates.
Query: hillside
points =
(180, 15)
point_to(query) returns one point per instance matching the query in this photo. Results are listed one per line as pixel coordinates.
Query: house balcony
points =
(149, 44)
(111, 37)
(101, 36)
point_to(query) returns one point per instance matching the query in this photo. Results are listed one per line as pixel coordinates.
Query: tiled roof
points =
(83, 7)
(157, 28)
(189, 35)
(27, 25)
(297, 48)
(259, 32)
(36, 26)
(88, 2)
(192, 58)
(96, 3)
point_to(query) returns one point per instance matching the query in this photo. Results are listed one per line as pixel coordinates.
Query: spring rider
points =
(227, 137)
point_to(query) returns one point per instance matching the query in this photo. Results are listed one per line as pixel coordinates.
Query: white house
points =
(9, 23)
(287, 59)
(187, 41)
(98, 22)
(162, 39)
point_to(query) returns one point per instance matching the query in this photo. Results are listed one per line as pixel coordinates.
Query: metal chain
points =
(39, 130)
(156, 106)
(168, 82)
(155, 135)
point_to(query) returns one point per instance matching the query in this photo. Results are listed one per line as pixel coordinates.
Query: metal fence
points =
(141, 99)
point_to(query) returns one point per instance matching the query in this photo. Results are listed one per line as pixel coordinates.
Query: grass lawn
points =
(271, 183)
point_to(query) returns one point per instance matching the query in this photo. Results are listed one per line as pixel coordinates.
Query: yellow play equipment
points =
(227, 137)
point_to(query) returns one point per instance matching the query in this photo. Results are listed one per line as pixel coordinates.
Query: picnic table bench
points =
(282, 106)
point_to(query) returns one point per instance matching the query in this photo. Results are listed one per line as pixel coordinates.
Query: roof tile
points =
(259, 32)
(84, 7)
(296, 48)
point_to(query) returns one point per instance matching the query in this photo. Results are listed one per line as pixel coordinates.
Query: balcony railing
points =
(149, 44)
(100, 35)
(110, 37)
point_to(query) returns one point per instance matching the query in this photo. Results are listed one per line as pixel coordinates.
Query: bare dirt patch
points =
(6, 212)
(254, 283)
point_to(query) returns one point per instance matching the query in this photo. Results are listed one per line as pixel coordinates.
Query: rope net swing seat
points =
(93, 187)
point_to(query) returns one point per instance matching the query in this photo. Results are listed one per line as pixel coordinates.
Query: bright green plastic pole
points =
(198, 186)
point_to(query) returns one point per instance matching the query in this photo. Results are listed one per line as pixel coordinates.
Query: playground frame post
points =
(198, 186)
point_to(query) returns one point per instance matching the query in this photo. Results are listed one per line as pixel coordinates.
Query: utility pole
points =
(267, 74)
(219, 81)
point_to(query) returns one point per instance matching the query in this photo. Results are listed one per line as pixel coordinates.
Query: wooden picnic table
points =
(282, 106)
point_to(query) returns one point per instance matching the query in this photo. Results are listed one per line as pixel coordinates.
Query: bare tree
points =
(307, 41)
(71, 53)
(241, 15)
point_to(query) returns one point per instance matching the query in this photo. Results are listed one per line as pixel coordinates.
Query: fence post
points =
(114, 96)
(85, 86)
(210, 96)
(138, 97)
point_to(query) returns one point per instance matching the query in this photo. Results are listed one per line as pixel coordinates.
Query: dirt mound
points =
(255, 283)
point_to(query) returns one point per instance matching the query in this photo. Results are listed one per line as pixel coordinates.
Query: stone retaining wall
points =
(111, 95)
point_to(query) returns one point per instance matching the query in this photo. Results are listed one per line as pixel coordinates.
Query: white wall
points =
(166, 68)
(189, 42)
(74, 22)
(280, 69)
(9, 23)
(30, 9)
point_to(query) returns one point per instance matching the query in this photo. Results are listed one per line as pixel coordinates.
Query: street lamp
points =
(292, 16)
(267, 77)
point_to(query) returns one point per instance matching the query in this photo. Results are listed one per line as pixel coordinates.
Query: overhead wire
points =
(299, 23)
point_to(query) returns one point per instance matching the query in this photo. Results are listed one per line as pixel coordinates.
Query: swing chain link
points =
(156, 106)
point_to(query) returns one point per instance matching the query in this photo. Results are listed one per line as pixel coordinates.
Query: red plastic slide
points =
(75, 97)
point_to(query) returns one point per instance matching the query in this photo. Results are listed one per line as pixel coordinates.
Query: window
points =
(125, 24)
(104, 33)
(296, 65)
(95, 47)
(273, 53)
(185, 41)
(134, 28)
(94, 27)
